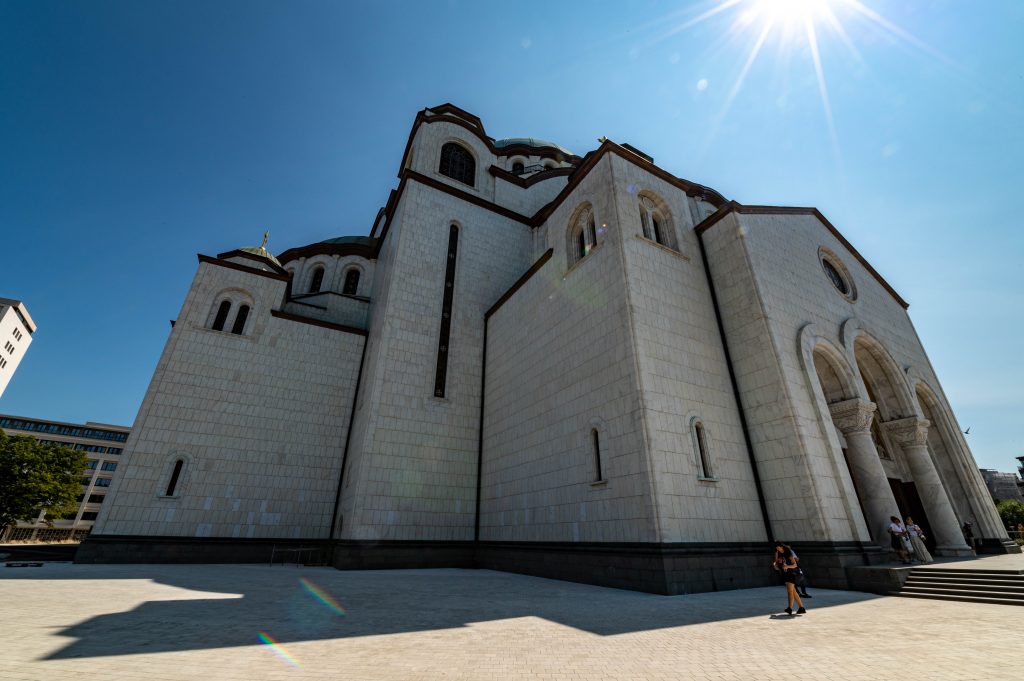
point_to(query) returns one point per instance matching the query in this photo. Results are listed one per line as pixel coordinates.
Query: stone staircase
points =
(1004, 587)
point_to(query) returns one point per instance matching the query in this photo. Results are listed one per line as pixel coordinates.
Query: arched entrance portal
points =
(896, 414)
(968, 494)
(851, 416)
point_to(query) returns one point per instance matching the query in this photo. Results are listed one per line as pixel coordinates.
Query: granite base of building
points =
(146, 549)
(668, 569)
(878, 580)
(989, 545)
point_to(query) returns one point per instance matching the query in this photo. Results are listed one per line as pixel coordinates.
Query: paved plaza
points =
(161, 622)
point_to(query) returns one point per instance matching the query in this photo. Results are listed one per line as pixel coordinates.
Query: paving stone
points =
(164, 622)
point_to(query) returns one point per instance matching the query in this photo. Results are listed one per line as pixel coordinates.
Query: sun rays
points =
(800, 29)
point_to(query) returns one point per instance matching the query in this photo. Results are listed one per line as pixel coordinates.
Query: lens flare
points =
(793, 28)
(321, 596)
(279, 650)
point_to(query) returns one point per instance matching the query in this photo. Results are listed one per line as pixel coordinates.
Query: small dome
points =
(262, 252)
(530, 142)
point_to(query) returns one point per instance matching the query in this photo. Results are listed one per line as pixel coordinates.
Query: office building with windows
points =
(102, 445)
(581, 367)
(16, 329)
(1002, 486)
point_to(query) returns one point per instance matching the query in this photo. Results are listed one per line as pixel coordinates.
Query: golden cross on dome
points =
(263, 245)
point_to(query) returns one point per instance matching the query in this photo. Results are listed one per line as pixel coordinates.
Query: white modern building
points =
(16, 329)
(102, 444)
(580, 367)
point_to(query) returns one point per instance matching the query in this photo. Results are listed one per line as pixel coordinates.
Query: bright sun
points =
(791, 11)
(795, 27)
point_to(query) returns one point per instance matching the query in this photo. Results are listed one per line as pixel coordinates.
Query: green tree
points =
(1012, 513)
(35, 476)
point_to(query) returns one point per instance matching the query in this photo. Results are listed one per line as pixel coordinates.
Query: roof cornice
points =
(209, 259)
(239, 253)
(735, 207)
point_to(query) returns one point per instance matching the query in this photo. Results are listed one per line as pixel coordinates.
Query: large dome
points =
(530, 142)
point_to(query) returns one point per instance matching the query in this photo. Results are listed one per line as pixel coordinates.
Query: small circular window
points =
(837, 274)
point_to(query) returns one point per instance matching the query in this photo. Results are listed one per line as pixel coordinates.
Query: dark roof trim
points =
(533, 179)
(309, 251)
(691, 188)
(449, 108)
(609, 147)
(456, 116)
(242, 268)
(318, 322)
(735, 207)
(466, 196)
(576, 175)
(519, 282)
(448, 113)
(238, 253)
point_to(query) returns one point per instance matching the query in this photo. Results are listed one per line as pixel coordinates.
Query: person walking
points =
(897, 535)
(801, 577)
(785, 564)
(917, 541)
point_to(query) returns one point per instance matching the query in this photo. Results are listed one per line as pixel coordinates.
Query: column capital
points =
(852, 416)
(908, 432)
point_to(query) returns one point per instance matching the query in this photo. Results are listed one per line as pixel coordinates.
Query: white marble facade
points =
(608, 412)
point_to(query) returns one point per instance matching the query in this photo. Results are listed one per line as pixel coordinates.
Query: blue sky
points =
(134, 135)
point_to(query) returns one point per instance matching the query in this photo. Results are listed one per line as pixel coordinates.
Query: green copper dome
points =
(357, 240)
(530, 142)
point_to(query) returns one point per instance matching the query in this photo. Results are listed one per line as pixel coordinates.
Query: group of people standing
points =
(908, 541)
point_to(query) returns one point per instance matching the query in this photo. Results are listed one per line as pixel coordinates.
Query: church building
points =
(579, 367)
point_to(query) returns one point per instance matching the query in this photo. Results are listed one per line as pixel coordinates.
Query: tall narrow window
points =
(582, 235)
(317, 281)
(351, 282)
(446, 313)
(597, 454)
(457, 163)
(703, 461)
(656, 228)
(222, 315)
(173, 482)
(239, 325)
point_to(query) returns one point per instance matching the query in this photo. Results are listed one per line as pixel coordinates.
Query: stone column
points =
(912, 436)
(853, 418)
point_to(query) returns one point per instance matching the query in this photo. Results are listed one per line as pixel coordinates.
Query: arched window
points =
(317, 280)
(239, 325)
(595, 439)
(700, 437)
(351, 282)
(172, 484)
(222, 315)
(655, 224)
(518, 168)
(583, 235)
(458, 164)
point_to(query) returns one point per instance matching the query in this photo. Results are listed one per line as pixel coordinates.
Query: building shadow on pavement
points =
(243, 605)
